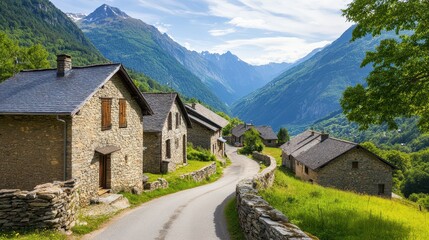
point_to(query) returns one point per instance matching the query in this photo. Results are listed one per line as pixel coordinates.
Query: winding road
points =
(190, 214)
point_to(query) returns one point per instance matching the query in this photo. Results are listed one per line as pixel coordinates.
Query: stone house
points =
(318, 158)
(266, 133)
(84, 123)
(165, 133)
(206, 129)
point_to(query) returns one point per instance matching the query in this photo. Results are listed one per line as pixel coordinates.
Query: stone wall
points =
(365, 179)
(159, 183)
(201, 174)
(199, 135)
(48, 206)
(262, 157)
(153, 152)
(257, 218)
(31, 151)
(126, 165)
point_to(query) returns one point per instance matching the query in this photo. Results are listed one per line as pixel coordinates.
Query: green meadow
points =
(333, 214)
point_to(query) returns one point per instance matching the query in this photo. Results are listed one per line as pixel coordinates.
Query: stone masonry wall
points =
(31, 151)
(126, 165)
(48, 206)
(201, 174)
(152, 154)
(200, 136)
(365, 179)
(178, 140)
(257, 218)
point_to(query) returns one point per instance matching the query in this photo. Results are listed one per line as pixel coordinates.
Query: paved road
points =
(191, 214)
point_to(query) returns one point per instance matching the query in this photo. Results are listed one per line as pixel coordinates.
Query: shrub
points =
(199, 154)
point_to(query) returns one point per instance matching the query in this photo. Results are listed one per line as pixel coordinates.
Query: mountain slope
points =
(39, 21)
(132, 42)
(310, 90)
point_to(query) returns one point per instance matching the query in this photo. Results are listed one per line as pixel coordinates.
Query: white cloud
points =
(221, 32)
(162, 27)
(259, 51)
(310, 18)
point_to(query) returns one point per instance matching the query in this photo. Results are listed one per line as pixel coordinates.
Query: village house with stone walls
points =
(165, 133)
(83, 123)
(318, 158)
(266, 133)
(206, 129)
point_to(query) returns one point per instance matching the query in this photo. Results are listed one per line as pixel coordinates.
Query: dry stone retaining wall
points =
(48, 206)
(258, 219)
(201, 174)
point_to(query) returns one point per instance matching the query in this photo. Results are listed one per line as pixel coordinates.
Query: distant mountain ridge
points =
(310, 90)
(225, 75)
(134, 43)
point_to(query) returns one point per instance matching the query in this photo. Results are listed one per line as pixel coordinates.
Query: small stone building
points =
(82, 122)
(206, 129)
(318, 158)
(266, 133)
(165, 133)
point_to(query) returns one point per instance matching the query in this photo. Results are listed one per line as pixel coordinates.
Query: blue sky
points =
(257, 31)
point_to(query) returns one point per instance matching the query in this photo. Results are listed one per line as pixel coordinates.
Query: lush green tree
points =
(252, 142)
(399, 159)
(233, 122)
(283, 136)
(398, 85)
(14, 58)
(417, 181)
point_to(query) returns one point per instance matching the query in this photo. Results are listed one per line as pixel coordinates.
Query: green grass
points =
(93, 223)
(333, 214)
(232, 222)
(34, 234)
(175, 184)
(275, 153)
(191, 167)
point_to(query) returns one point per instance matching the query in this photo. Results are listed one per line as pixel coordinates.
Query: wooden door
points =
(103, 171)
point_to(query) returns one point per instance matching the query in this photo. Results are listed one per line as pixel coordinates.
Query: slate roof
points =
(240, 129)
(42, 92)
(309, 149)
(206, 117)
(161, 104)
(266, 132)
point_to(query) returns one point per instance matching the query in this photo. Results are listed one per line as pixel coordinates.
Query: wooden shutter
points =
(122, 113)
(106, 117)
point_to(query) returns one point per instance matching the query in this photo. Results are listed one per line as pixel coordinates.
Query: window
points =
(306, 170)
(269, 141)
(106, 116)
(168, 149)
(177, 120)
(176, 143)
(170, 121)
(380, 189)
(355, 165)
(122, 113)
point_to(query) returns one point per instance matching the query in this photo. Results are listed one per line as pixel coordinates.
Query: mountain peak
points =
(105, 12)
(75, 17)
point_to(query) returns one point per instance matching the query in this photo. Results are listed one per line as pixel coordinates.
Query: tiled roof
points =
(323, 152)
(314, 152)
(161, 104)
(240, 129)
(204, 114)
(41, 92)
(266, 132)
(204, 123)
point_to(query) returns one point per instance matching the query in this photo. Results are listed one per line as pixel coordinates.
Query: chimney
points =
(324, 136)
(193, 105)
(64, 65)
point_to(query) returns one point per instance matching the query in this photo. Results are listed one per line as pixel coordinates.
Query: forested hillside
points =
(33, 22)
(312, 89)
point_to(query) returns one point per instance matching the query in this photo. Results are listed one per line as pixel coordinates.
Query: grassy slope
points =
(333, 214)
(233, 224)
